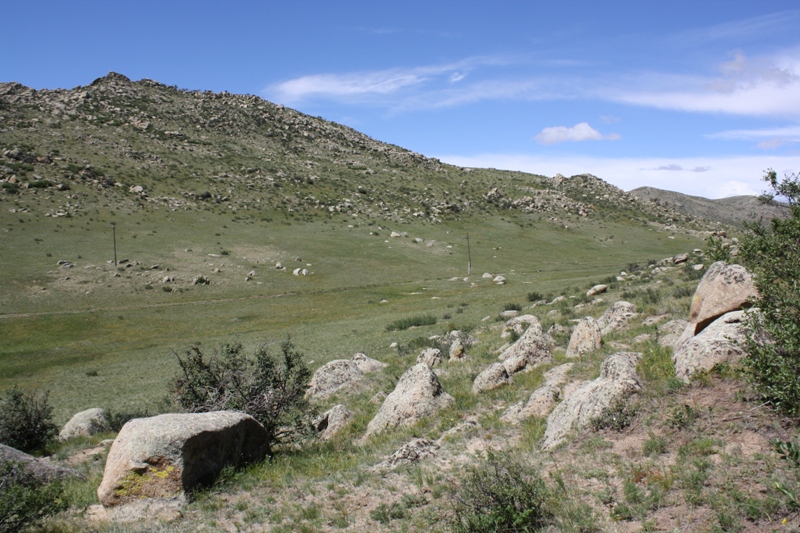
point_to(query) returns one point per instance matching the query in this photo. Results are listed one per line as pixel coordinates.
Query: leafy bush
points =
(618, 416)
(773, 340)
(503, 496)
(535, 296)
(512, 307)
(25, 500)
(26, 420)
(414, 321)
(717, 249)
(269, 388)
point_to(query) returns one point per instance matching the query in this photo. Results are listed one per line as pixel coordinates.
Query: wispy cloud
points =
(609, 119)
(577, 133)
(672, 167)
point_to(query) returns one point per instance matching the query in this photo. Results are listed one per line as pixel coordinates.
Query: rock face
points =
(543, 399)
(417, 394)
(493, 377)
(411, 452)
(85, 424)
(332, 376)
(167, 455)
(530, 350)
(518, 325)
(366, 364)
(724, 288)
(42, 469)
(615, 317)
(457, 351)
(714, 345)
(586, 338)
(430, 356)
(618, 380)
(669, 333)
(332, 421)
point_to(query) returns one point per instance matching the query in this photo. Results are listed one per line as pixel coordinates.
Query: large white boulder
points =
(585, 339)
(616, 317)
(530, 350)
(724, 288)
(85, 424)
(333, 376)
(617, 381)
(493, 376)
(418, 394)
(168, 455)
(718, 343)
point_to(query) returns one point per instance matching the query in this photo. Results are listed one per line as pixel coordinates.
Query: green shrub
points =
(269, 388)
(616, 416)
(535, 297)
(26, 420)
(717, 249)
(773, 339)
(512, 307)
(24, 500)
(500, 495)
(413, 321)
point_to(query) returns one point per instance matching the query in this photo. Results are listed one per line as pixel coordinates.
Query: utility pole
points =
(469, 257)
(114, 231)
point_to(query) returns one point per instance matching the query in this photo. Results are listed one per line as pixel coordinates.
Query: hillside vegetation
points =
(241, 222)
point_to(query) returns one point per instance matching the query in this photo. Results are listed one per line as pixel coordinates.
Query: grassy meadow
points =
(96, 335)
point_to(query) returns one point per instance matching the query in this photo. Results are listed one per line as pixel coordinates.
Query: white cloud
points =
(788, 131)
(672, 167)
(577, 133)
(725, 175)
(457, 76)
(609, 119)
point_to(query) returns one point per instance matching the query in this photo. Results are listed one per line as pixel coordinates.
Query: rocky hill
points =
(136, 145)
(732, 210)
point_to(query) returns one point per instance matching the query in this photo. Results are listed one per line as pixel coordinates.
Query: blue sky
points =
(698, 97)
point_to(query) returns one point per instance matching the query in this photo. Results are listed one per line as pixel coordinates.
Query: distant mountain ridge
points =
(732, 210)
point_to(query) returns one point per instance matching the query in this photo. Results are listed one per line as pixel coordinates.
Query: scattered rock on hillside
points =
(530, 350)
(543, 399)
(332, 376)
(430, 356)
(597, 289)
(518, 325)
(585, 339)
(717, 343)
(367, 365)
(680, 258)
(167, 455)
(617, 381)
(669, 333)
(615, 317)
(724, 288)
(418, 394)
(411, 452)
(41, 469)
(332, 421)
(457, 351)
(499, 280)
(494, 376)
(85, 424)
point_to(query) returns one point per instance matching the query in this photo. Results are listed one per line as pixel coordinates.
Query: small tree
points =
(24, 499)
(26, 420)
(267, 387)
(772, 253)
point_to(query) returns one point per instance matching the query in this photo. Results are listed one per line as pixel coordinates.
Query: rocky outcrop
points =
(597, 289)
(367, 365)
(724, 288)
(332, 421)
(669, 333)
(518, 325)
(494, 376)
(543, 399)
(41, 469)
(418, 394)
(585, 339)
(430, 356)
(85, 424)
(333, 376)
(409, 453)
(718, 343)
(530, 350)
(617, 381)
(616, 317)
(169, 455)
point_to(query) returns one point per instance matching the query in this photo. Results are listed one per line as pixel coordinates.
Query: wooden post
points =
(114, 230)
(469, 257)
